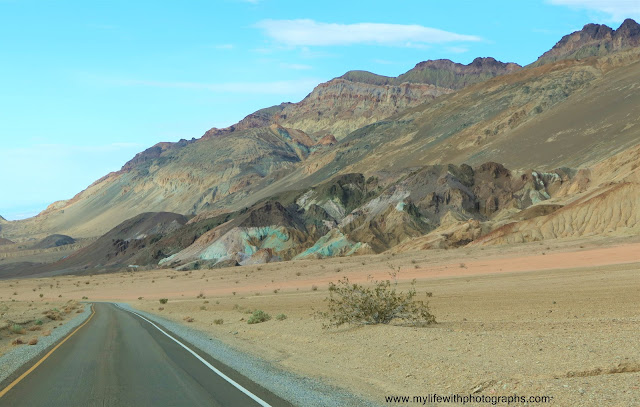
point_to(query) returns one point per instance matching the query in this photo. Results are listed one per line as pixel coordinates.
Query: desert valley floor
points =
(556, 318)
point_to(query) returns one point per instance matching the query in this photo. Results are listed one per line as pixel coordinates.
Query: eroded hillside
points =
(442, 156)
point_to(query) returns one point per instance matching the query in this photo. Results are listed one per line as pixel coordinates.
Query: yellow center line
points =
(15, 382)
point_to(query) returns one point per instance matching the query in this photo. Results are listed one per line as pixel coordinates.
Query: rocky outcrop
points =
(611, 212)
(593, 40)
(353, 215)
(116, 248)
(603, 200)
(4, 241)
(261, 118)
(54, 241)
(341, 106)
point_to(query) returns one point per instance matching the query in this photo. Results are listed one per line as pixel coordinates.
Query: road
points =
(119, 359)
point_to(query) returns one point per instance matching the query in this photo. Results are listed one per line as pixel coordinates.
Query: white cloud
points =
(618, 10)
(311, 33)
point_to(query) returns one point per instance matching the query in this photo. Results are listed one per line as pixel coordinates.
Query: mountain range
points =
(442, 156)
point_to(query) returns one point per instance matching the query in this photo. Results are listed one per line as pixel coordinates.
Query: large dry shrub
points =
(379, 304)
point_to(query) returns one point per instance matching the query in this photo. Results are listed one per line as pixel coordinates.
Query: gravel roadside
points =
(296, 389)
(13, 360)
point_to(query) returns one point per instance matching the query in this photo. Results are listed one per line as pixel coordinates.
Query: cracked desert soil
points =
(553, 318)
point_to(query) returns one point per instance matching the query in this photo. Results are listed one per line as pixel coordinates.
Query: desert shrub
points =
(218, 321)
(281, 317)
(18, 341)
(38, 322)
(163, 300)
(258, 316)
(355, 304)
(17, 329)
(53, 314)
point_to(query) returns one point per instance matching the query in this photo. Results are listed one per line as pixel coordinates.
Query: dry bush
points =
(18, 341)
(219, 321)
(258, 316)
(33, 341)
(188, 319)
(46, 333)
(355, 304)
(53, 315)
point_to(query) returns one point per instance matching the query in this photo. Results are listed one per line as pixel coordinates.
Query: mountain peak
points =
(593, 40)
(628, 29)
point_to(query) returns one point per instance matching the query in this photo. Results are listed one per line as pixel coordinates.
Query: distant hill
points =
(53, 241)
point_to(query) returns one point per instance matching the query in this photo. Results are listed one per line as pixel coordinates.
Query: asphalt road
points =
(119, 359)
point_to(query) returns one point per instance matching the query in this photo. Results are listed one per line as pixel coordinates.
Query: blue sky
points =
(85, 85)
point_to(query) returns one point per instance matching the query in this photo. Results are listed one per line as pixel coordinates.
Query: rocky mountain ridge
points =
(593, 40)
(441, 72)
(425, 167)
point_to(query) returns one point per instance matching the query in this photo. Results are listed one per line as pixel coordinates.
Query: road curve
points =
(119, 359)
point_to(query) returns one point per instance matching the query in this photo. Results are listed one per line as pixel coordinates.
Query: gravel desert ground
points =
(559, 319)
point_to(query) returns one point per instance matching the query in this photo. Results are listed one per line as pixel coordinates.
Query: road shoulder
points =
(20, 359)
(292, 387)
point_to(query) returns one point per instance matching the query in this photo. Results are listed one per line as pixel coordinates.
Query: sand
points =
(557, 319)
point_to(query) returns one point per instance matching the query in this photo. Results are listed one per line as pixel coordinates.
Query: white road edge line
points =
(207, 364)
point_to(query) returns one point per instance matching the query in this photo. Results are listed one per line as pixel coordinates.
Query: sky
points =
(85, 85)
